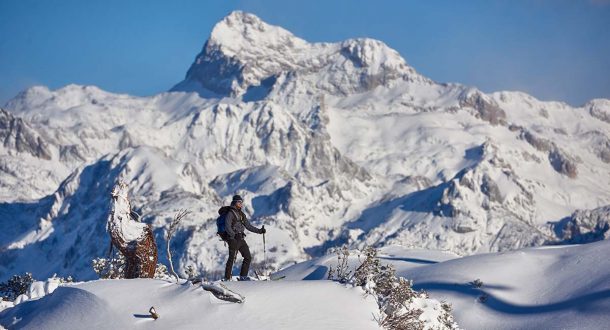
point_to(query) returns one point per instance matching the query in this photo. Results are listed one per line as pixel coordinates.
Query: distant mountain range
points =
(329, 143)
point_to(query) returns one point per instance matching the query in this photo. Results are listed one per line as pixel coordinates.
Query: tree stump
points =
(133, 239)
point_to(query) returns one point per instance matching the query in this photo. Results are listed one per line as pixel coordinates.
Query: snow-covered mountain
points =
(329, 143)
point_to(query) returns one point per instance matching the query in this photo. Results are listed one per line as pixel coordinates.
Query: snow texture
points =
(559, 287)
(124, 304)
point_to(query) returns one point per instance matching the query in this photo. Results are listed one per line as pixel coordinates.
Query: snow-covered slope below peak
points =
(28, 167)
(18, 136)
(63, 232)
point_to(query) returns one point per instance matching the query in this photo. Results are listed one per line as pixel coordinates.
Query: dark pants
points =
(235, 245)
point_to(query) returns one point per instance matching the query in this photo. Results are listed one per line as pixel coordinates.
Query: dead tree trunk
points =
(134, 239)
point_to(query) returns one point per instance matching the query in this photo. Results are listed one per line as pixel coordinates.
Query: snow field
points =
(558, 287)
(124, 304)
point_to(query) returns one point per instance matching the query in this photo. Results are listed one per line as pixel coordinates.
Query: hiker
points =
(235, 222)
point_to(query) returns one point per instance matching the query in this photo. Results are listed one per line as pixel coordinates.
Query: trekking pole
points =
(264, 253)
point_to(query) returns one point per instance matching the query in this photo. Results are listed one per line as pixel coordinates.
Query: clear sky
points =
(552, 49)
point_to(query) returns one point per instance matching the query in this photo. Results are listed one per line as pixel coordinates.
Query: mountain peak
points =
(244, 52)
(240, 30)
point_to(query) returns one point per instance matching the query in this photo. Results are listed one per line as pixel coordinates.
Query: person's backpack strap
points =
(237, 217)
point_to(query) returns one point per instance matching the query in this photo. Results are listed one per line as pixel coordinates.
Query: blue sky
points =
(552, 49)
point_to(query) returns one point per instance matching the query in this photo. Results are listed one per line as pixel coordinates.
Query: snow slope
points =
(329, 143)
(124, 304)
(554, 287)
(558, 287)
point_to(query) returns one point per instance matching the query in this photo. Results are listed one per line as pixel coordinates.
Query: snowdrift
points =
(555, 287)
(124, 304)
(565, 287)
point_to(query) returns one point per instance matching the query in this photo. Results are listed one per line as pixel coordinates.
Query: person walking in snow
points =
(235, 222)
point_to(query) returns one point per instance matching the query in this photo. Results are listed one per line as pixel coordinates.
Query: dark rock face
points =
(563, 163)
(487, 110)
(215, 71)
(600, 144)
(539, 143)
(599, 113)
(558, 158)
(491, 190)
(583, 226)
(71, 152)
(16, 134)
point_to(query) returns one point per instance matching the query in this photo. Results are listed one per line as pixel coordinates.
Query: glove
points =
(263, 230)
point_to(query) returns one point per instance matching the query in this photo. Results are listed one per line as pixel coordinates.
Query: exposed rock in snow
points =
(584, 226)
(561, 162)
(17, 135)
(486, 108)
(600, 109)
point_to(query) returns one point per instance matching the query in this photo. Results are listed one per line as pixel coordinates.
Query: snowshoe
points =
(245, 278)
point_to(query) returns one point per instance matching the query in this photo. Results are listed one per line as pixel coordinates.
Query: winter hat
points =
(237, 198)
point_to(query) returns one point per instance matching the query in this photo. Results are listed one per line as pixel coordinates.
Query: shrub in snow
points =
(114, 268)
(21, 288)
(476, 283)
(342, 273)
(191, 273)
(110, 268)
(400, 306)
(15, 286)
(162, 273)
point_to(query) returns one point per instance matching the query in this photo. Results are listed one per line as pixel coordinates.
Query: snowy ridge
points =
(563, 287)
(329, 143)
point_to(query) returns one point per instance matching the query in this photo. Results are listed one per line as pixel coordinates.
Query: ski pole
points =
(264, 252)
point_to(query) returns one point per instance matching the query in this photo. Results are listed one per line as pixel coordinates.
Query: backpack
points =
(221, 220)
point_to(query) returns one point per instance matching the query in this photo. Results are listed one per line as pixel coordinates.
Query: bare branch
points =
(169, 233)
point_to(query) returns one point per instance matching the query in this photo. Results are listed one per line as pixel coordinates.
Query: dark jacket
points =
(236, 222)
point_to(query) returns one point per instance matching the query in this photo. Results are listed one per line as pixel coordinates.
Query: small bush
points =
(342, 273)
(110, 268)
(114, 268)
(397, 301)
(477, 283)
(15, 286)
(162, 273)
(191, 273)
